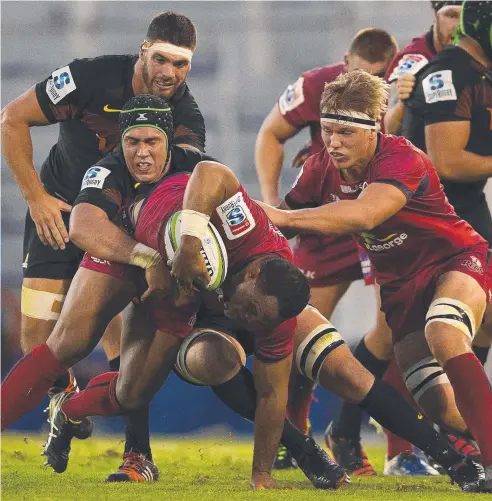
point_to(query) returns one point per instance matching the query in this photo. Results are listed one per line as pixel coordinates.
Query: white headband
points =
(352, 118)
(170, 48)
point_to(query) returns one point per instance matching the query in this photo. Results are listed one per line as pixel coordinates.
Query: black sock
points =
(137, 432)
(239, 394)
(391, 410)
(114, 364)
(481, 353)
(62, 382)
(349, 418)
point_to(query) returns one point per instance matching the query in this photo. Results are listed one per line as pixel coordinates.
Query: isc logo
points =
(61, 80)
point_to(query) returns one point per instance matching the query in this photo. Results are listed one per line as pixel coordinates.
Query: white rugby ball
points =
(213, 250)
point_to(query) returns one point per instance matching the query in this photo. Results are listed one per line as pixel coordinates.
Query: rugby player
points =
(432, 265)
(330, 263)
(85, 98)
(343, 434)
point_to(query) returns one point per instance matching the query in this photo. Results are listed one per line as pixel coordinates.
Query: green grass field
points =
(194, 469)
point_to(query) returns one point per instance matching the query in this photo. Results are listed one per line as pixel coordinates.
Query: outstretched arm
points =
(378, 202)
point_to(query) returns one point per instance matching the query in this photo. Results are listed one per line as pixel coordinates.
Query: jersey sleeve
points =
(189, 126)
(278, 344)
(443, 96)
(306, 190)
(299, 104)
(67, 91)
(103, 187)
(405, 170)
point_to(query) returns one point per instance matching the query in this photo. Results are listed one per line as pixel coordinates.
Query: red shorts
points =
(331, 260)
(405, 304)
(176, 321)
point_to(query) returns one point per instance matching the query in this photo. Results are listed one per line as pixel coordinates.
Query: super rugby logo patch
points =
(438, 87)
(236, 217)
(94, 177)
(60, 84)
(292, 97)
(409, 63)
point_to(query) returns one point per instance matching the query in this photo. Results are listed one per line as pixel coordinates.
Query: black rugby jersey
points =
(454, 87)
(109, 184)
(85, 97)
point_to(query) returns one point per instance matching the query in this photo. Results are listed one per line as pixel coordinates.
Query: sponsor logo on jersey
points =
(292, 97)
(375, 244)
(409, 63)
(438, 86)
(107, 109)
(236, 217)
(334, 198)
(474, 264)
(60, 84)
(94, 177)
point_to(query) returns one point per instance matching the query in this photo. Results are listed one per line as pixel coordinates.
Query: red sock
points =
(98, 399)
(395, 444)
(300, 397)
(473, 396)
(28, 382)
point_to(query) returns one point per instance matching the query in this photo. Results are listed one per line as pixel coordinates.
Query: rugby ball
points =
(213, 250)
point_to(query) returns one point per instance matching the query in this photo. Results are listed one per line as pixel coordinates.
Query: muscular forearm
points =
(394, 118)
(340, 218)
(269, 157)
(462, 167)
(17, 151)
(269, 422)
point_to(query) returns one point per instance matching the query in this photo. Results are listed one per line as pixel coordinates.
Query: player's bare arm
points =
(210, 185)
(17, 118)
(446, 143)
(92, 230)
(269, 153)
(271, 382)
(400, 91)
(377, 203)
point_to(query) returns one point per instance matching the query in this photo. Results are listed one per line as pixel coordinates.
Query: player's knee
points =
(445, 312)
(40, 311)
(424, 375)
(317, 345)
(209, 357)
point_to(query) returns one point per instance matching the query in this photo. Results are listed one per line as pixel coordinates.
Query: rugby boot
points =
(318, 467)
(487, 485)
(464, 445)
(408, 464)
(84, 428)
(283, 460)
(470, 476)
(135, 468)
(349, 454)
(57, 447)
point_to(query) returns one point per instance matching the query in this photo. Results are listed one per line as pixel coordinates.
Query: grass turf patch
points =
(190, 469)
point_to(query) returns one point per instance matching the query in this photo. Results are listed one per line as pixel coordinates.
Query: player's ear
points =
(346, 59)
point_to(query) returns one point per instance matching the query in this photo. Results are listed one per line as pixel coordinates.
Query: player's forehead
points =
(144, 133)
(378, 68)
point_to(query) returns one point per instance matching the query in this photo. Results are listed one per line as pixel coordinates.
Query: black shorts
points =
(42, 261)
(479, 217)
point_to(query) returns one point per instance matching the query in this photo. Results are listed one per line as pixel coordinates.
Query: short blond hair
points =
(356, 91)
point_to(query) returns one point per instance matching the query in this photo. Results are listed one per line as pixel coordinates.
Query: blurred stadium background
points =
(248, 51)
